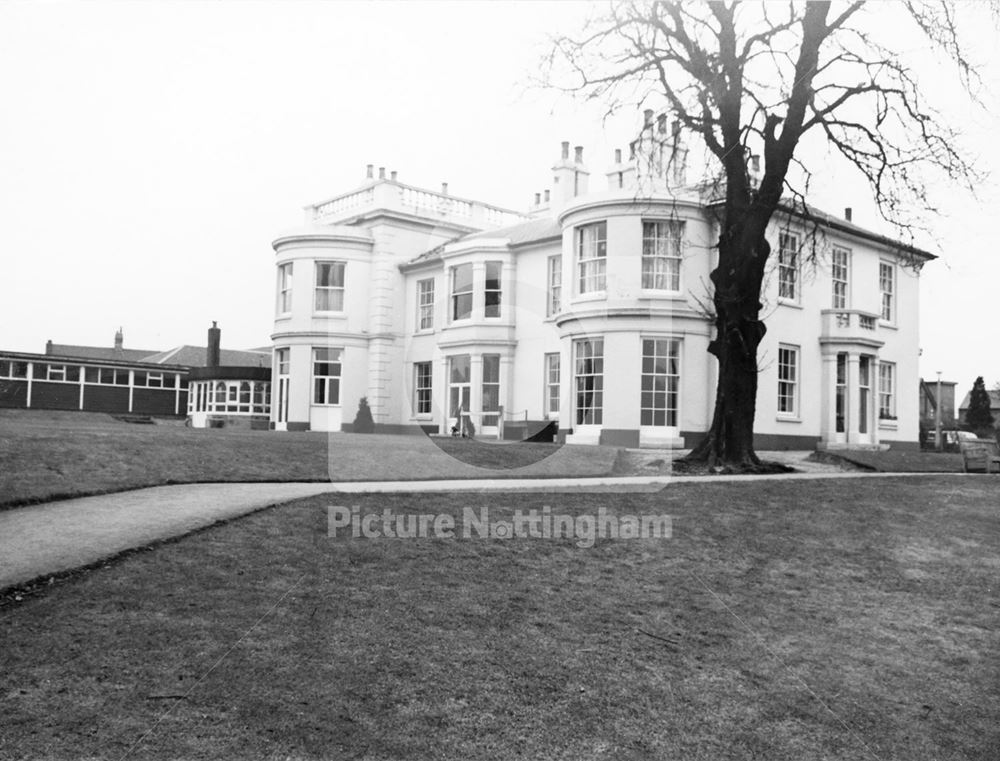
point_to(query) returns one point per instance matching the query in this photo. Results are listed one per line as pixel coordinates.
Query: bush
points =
(363, 422)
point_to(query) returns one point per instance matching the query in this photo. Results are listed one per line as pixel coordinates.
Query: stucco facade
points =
(589, 310)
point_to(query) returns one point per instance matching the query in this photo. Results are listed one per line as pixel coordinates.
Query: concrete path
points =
(39, 540)
(59, 536)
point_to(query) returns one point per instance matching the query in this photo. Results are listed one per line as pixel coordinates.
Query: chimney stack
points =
(381, 172)
(848, 214)
(212, 354)
(48, 346)
(565, 150)
(578, 157)
(661, 124)
(444, 188)
(538, 198)
(546, 196)
(119, 340)
(647, 117)
(618, 155)
(392, 175)
(371, 171)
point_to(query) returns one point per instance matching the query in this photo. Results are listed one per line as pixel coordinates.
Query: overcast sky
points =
(150, 152)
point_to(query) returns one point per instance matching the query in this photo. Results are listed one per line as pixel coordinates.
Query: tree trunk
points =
(739, 330)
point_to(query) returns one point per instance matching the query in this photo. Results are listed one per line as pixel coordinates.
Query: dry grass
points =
(47, 455)
(809, 620)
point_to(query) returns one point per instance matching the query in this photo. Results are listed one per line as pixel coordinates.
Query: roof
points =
(994, 399)
(197, 356)
(826, 219)
(98, 352)
(67, 358)
(521, 234)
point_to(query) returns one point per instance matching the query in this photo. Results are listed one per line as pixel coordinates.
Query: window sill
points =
(891, 425)
(424, 332)
(331, 313)
(585, 297)
(790, 303)
(655, 293)
(887, 325)
(326, 406)
(788, 419)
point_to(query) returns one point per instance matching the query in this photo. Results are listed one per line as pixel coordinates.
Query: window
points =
(284, 288)
(589, 380)
(154, 380)
(106, 376)
(261, 403)
(326, 375)
(329, 287)
(887, 391)
(788, 380)
(660, 382)
(425, 304)
(551, 400)
(553, 301)
(422, 395)
(281, 360)
(840, 267)
(491, 388)
(788, 266)
(887, 286)
(591, 257)
(220, 397)
(661, 255)
(56, 373)
(461, 292)
(493, 270)
(13, 369)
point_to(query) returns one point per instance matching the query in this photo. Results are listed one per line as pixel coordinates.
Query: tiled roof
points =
(994, 399)
(525, 232)
(521, 234)
(98, 352)
(196, 356)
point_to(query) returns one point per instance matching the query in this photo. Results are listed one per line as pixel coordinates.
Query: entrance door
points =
(459, 391)
(281, 416)
(840, 436)
(864, 399)
(491, 395)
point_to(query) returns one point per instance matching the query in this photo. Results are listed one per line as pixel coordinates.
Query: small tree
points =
(979, 416)
(363, 422)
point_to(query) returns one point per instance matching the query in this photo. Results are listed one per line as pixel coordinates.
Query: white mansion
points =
(589, 310)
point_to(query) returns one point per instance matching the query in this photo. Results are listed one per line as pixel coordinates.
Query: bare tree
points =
(756, 79)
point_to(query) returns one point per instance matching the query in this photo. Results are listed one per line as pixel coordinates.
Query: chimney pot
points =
(848, 214)
(392, 175)
(381, 172)
(119, 339)
(371, 171)
(565, 149)
(579, 154)
(444, 188)
(647, 117)
(618, 155)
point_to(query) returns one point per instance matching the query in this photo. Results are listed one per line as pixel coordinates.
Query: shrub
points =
(363, 422)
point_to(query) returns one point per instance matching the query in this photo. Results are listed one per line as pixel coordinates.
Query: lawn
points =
(784, 620)
(48, 455)
(895, 460)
